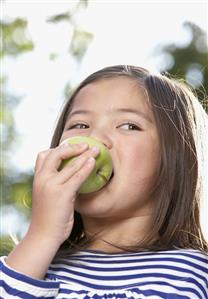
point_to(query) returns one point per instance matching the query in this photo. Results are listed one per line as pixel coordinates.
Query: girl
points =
(140, 235)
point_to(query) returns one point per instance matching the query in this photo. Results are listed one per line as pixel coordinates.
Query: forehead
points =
(112, 93)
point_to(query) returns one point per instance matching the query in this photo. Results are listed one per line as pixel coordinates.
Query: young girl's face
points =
(116, 112)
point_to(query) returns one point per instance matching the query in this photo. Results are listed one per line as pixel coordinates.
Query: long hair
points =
(178, 188)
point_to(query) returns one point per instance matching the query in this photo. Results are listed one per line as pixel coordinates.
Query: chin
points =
(96, 203)
(93, 209)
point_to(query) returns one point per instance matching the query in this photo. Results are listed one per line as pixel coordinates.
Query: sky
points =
(125, 32)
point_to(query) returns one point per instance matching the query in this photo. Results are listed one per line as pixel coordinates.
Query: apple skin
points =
(103, 168)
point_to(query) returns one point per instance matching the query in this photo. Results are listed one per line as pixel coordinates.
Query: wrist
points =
(33, 250)
(42, 240)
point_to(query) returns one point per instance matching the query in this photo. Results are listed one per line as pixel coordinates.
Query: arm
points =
(17, 285)
(33, 255)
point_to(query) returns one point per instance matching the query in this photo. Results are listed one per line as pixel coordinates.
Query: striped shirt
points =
(173, 274)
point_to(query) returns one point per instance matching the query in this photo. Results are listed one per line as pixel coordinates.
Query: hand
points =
(54, 191)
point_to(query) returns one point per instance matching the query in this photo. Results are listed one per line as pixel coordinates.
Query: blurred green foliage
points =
(16, 41)
(80, 42)
(16, 187)
(7, 244)
(15, 38)
(81, 38)
(190, 61)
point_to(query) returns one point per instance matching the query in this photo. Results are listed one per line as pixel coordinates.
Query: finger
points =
(80, 176)
(40, 159)
(62, 152)
(71, 168)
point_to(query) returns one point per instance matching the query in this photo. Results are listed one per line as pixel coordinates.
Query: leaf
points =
(59, 18)
(83, 3)
(6, 245)
(15, 38)
(80, 43)
(193, 53)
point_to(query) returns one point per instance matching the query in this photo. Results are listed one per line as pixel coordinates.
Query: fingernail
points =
(95, 149)
(90, 161)
(82, 145)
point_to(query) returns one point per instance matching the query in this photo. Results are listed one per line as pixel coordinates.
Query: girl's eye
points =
(130, 127)
(79, 126)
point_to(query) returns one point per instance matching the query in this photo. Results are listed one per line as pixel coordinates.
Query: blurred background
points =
(48, 47)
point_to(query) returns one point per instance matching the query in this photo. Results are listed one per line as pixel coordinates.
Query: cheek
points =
(144, 160)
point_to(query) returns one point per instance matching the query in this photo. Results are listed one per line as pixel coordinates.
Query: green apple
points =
(103, 168)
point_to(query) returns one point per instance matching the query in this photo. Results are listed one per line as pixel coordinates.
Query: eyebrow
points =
(119, 110)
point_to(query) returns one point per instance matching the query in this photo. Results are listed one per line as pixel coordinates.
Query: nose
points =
(105, 138)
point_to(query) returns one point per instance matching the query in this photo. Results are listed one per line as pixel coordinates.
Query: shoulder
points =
(184, 256)
(191, 254)
(193, 263)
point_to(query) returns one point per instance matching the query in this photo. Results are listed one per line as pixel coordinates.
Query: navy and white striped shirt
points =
(173, 274)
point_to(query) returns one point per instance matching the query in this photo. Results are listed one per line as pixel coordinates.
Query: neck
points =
(113, 235)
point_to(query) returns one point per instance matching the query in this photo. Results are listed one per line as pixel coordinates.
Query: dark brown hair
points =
(178, 186)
